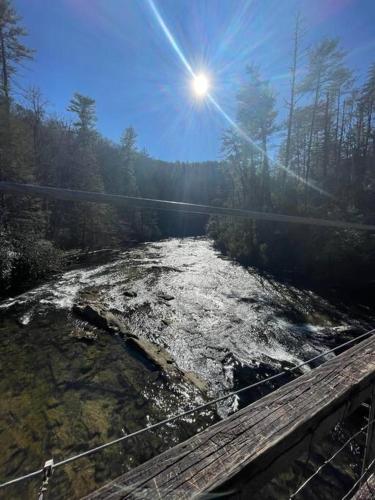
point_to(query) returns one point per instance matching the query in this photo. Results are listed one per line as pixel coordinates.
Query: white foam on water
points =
(9, 303)
(26, 318)
(62, 293)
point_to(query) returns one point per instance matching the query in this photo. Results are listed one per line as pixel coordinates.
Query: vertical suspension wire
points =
(369, 446)
(368, 468)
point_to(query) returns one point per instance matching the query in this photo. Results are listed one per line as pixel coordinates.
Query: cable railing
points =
(331, 458)
(143, 203)
(51, 465)
(174, 206)
(368, 469)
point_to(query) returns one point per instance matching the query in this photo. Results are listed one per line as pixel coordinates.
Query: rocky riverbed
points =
(107, 349)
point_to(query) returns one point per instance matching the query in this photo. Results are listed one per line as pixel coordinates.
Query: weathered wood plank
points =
(237, 454)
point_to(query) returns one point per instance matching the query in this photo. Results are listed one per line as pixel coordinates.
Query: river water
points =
(67, 385)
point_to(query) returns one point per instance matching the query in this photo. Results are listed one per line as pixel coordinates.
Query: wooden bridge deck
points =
(237, 454)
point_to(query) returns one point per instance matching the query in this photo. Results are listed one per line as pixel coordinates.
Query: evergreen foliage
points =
(325, 167)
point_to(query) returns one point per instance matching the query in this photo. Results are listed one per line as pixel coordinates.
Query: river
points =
(68, 385)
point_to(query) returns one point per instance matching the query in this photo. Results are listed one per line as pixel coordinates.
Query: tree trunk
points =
(311, 135)
(326, 137)
(4, 70)
(312, 127)
(338, 107)
(6, 139)
(292, 95)
(266, 194)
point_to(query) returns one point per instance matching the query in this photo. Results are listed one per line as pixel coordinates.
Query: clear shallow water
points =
(62, 395)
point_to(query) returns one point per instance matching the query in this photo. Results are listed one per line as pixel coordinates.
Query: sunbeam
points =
(163, 167)
(170, 37)
(230, 121)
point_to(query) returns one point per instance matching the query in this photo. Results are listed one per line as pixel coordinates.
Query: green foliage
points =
(7, 258)
(330, 150)
(256, 102)
(84, 108)
(26, 260)
(329, 143)
(36, 258)
(37, 148)
(129, 153)
(13, 51)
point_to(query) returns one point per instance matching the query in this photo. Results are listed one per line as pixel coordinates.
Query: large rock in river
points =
(97, 315)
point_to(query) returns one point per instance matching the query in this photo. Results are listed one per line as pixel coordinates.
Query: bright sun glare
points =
(201, 85)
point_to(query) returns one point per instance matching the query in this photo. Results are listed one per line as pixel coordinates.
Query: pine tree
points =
(128, 153)
(12, 53)
(325, 60)
(256, 115)
(90, 222)
(367, 102)
(293, 92)
(84, 107)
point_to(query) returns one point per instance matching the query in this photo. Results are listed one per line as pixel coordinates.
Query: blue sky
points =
(116, 52)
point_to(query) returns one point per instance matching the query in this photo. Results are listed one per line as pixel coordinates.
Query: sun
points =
(201, 85)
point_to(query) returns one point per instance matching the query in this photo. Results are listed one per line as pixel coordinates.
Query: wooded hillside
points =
(325, 167)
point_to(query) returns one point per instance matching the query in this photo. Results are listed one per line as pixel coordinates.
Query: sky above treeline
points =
(117, 52)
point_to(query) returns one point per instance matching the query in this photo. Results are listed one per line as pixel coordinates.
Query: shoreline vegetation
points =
(324, 167)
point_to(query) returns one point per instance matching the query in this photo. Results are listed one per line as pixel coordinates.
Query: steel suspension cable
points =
(329, 460)
(175, 206)
(187, 412)
(345, 497)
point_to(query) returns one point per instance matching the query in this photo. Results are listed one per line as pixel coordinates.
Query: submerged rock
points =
(196, 380)
(161, 269)
(97, 315)
(85, 335)
(247, 300)
(97, 388)
(25, 319)
(241, 375)
(165, 362)
(165, 296)
(336, 335)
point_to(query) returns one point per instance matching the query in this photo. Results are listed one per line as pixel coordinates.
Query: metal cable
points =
(187, 412)
(326, 462)
(22, 478)
(176, 206)
(358, 480)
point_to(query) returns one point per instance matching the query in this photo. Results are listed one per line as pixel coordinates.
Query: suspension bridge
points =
(236, 456)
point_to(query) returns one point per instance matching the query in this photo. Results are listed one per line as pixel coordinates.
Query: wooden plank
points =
(367, 490)
(237, 454)
(175, 206)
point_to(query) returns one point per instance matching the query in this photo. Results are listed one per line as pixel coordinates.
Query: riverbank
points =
(330, 261)
(68, 260)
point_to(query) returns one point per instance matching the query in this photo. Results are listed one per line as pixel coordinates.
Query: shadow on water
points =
(67, 385)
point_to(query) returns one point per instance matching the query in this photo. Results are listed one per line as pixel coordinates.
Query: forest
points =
(324, 167)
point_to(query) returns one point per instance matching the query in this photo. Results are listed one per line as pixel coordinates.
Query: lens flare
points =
(201, 85)
(213, 101)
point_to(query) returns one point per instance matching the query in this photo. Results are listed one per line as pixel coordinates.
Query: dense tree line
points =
(325, 168)
(42, 149)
